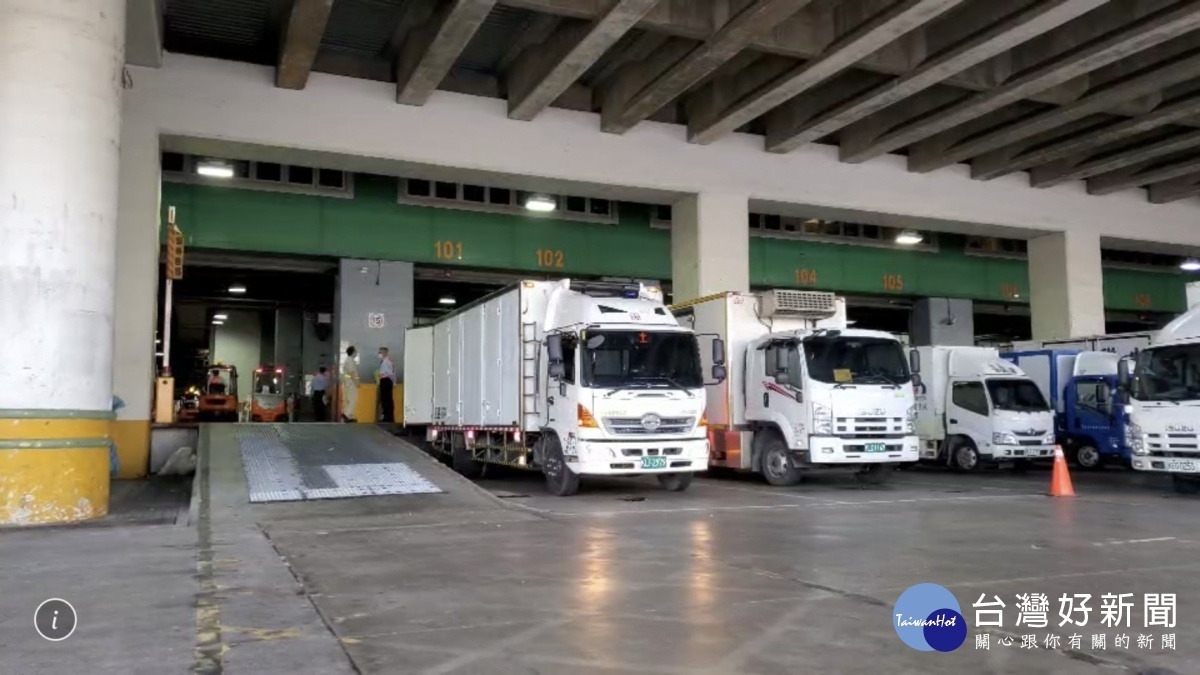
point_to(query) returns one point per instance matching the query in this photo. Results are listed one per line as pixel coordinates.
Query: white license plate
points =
(1182, 465)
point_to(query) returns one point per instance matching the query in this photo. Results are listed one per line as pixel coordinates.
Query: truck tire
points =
(675, 482)
(461, 459)
(775, 461)
(965, 457)
(560, 480)
(875, 474)
(1088, 457)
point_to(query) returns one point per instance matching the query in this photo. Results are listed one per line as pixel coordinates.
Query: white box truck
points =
(1120, 344)
(804, 392)
(574, 381)
(974, 409)
(1161, 384)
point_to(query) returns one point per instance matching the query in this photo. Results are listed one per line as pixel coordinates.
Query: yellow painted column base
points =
(53, 470)
(133, 447)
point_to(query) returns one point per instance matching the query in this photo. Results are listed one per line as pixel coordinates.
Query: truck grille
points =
(869, 427)
(1161, 443)
(633, 426)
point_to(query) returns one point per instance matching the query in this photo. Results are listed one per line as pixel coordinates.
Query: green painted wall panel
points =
(374, 225)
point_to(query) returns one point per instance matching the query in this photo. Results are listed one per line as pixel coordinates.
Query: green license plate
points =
(654, 462)
(876, 447)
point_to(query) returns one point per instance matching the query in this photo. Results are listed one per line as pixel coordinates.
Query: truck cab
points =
(1081, 387)
(1162, 386)
(975, 409)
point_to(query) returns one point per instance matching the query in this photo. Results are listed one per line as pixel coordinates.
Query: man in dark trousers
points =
(320, 394)
(387, 382)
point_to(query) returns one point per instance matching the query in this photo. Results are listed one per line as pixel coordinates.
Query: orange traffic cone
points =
(1060, 481)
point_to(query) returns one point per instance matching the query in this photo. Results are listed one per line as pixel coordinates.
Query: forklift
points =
(268, 403)
(219, 397)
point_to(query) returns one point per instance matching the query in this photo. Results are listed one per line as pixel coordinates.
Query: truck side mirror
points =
(1125, 374)
(557, 370)
(781, 359)
(1102, 394)
(719, 373)
(781, 377)
(554, 347)
(914, 360)
(718, 352)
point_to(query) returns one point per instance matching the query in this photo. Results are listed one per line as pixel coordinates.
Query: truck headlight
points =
(822, 419)
(910, 420)
(1049, 438)
(1003, 439)
(1135, 440)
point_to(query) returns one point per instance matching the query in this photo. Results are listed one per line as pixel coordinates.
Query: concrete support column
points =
(60, 133)
(135, 320)
(943, 321)
(710, 245)
(383, 291)
(1066, 286)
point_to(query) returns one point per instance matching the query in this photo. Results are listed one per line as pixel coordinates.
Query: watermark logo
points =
(927, 617)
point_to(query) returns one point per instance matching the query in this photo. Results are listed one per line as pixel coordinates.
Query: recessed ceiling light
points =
(218, 322)
(237, 289)
(909, 238)
(214, 169)
(541, 203)
(220, 317)
(1190, 265)
(446, 300)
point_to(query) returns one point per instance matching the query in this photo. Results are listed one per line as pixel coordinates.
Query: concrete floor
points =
(729, 577)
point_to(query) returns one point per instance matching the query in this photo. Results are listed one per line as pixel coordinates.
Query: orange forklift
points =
(268, 403)
(219, 398)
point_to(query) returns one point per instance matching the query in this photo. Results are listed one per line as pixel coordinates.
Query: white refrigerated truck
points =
(804, 392)
(1162, 386)
(974, 408)
(576, 381)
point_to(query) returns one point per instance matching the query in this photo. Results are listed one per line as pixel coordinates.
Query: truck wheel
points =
(675, 482)
(776, 461)
(875, 474)
(964, 457)
(461, 459)
(1088, 457)
(1185, 485)
(560, 480)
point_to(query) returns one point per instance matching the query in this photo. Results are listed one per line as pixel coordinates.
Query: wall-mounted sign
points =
(375, 320)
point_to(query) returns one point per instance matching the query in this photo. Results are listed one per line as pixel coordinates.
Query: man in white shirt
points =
(386, 375)
(349, 385)
(320, 393)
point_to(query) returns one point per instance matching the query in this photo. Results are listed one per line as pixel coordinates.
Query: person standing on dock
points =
(386, 377)
(349, 384)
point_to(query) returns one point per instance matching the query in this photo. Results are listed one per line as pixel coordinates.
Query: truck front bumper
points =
(834, 450)
(1007, 452)
(615, 458)
(1189, 465)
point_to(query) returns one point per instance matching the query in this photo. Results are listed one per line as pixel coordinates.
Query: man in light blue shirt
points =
(386, 377)
(320, 395)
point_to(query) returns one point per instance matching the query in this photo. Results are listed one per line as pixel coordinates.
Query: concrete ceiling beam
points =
(430, 50)
(301, 41)
(144, 33)
(1145, 174)
(867, 37)
(1175, 190)
(789, 127)
(1156, 28)
(758, 17)
(536, 31)
(1046, 159)
(541, 75)
(1133, 86)
(1057, 173)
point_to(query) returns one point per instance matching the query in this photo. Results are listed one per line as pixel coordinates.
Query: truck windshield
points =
(1016, 395)
(640, 359)
(855, 360)
(1168, 374)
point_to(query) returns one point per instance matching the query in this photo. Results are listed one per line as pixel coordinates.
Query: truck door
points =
(968, 413)
(1089, 410)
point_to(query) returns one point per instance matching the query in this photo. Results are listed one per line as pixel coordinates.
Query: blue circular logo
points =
(927, 617)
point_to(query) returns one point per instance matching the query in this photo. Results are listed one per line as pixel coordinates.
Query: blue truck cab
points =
(1081, 386)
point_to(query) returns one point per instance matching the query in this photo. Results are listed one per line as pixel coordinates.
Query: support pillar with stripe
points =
(61, 75)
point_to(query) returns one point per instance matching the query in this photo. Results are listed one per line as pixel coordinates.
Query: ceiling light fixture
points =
(541, 203)
(214, 169)
(447, 300)
(909, 238)
(237, 289)
(218, 322)
(1190, 265)
(220, 317)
